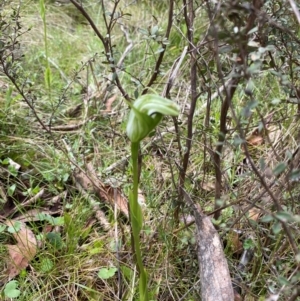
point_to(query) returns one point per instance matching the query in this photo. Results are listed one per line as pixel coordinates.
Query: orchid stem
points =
(137, 223)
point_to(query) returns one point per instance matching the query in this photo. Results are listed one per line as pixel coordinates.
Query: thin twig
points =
(189, 20)
(295, 10)
(128, 48)
(106, 46)
(161, 55)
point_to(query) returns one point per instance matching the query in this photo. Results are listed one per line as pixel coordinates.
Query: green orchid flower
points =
(146, 113)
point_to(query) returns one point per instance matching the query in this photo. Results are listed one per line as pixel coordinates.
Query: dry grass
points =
(81, 94)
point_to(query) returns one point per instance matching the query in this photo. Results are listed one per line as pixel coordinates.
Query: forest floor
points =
(65, 171)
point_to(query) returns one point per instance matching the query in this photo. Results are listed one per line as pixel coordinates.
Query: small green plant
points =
(11, 289)
(16, 227)
(145, 114)
(46, 265)
(106, 273)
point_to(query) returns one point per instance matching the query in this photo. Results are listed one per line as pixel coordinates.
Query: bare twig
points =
(106, 44)
(174, 71)
(238, 68)
(295, 10)
(189, 20)
(128, 48)
(222, 134)
(173, 74)
(161, 55)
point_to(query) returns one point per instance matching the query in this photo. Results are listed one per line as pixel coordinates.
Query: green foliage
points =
(55, 240)
(106, 273)
(145, 115)
(11, 289)
(46, 265)
(16, 227)
(54, 221)
(75, 85)
(146, 112)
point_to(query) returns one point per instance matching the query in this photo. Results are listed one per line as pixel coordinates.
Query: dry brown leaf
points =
(255, 140)
(257, 137)
(108, 104)
(115, 196)
(208, 186)
(233, 239)
(110, 194)
(141, 198)
(22, 252)
(90, 182)
(237, 297)
(254, 214)
(17, 261)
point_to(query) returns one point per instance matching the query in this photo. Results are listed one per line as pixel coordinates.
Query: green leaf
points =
(11, 189)
(295, 175)
(8, 97)
(237, 140)
(42, 216)
(276, 228)
(136, 93)
(267, 218)
(12, 170)
(65, 177)
(159, 50)
(276, 101)
(248, 244)
(127, 272)
(262, 164)
(2, 228)
(5, 161)
(106, 273)
(246, 111)
(284, 216)
(154, 30)
(279, 168)
(46, 265)
(15, 228)
(94, 251)
(55, 240)
(58, 221)
(253, 30)
(283, 281)
(11, 289)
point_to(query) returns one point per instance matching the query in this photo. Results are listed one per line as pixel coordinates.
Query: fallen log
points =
(216, 284)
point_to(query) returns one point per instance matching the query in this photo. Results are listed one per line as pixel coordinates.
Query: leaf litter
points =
(22, 252)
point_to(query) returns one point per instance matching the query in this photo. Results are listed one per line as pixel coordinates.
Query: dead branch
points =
(215, 278)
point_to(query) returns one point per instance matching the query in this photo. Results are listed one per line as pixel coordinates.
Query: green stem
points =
(47, 74)
(136, 221)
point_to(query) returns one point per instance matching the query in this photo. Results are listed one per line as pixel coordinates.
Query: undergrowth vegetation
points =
(68, 72)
